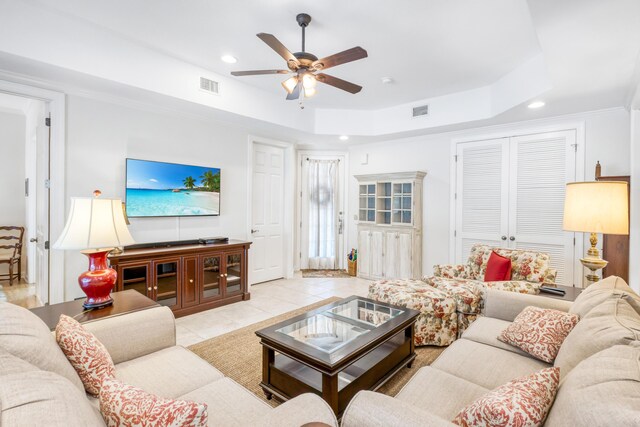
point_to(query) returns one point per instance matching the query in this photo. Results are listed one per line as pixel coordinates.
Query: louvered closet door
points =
(481, 194)
(541, 165)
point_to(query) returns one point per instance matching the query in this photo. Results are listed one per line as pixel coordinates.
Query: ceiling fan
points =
(306, 66)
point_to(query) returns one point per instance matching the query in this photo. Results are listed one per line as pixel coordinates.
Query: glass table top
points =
(365, 311)
(322, 332)
(337, 326)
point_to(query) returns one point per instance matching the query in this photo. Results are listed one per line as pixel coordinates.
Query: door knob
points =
(33, 239)
(254, 231)
(512, 238)
(504, 237)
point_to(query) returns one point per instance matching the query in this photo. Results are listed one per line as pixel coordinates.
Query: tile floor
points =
(267, 300)
(21, 294)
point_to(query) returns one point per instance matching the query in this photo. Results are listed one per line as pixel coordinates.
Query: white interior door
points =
(42, 213)
(541, 165)
(482, 195)
(266, 256)
(307, 217)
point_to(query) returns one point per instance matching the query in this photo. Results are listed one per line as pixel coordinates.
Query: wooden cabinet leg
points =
(330, 391)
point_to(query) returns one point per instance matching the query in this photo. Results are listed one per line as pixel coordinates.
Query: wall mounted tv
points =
(156, 189)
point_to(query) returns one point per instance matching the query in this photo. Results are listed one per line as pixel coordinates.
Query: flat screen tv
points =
(156, 189)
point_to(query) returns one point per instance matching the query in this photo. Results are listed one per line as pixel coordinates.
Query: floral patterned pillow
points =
(124, 405)
(87, 355)
(523, 402)
(539, 331)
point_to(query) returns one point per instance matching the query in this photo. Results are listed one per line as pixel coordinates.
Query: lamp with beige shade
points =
(95, 226)
(596, 207)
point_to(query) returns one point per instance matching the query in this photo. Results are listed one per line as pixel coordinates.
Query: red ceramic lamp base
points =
(98, 281)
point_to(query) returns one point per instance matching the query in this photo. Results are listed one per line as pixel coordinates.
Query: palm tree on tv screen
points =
(211, 181)
(189, 182)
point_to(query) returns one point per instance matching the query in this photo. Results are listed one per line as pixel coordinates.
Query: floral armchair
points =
(453, 297)
(529, 269)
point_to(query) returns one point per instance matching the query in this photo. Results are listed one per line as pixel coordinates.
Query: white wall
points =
(101, 135)
(607, 140)
(12, 201)
(12, 128)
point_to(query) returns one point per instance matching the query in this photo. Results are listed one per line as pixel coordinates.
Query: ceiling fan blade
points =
(339, 83)
(295, 93)
(258, 72)
(275, 44)
(348, 55)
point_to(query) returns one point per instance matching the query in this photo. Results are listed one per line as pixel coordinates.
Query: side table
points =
(570, 292)
(123, 302)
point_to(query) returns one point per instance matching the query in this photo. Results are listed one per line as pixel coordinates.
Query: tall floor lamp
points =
(95, 226)
(596, 207)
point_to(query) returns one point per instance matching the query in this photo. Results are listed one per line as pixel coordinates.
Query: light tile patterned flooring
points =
(267, 300)
(21, 294)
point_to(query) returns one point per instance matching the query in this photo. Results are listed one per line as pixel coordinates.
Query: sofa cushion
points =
(33, 397)
(485, 365)
(603, 390)
(521, 402)
(485, 330)
(124, 405)
(425, 391)
(229, 403)
(87, 355)
(539, 331)
(598, 292)
(498, 268)
(26, 336)
(168, 373)
(610, 323)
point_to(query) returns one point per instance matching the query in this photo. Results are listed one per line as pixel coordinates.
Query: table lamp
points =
(596, 207)
(95, 226)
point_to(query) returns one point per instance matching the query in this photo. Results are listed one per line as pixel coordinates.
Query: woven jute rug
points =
(238, 355)
(325, 273)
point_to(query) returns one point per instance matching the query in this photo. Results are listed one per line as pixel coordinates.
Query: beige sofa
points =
(599, 366)
(39, 387)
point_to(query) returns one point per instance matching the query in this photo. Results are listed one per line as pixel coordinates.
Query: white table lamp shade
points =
(94, 223)
(597, 207)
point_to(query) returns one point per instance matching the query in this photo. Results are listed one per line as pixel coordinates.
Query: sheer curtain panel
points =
(323, 213)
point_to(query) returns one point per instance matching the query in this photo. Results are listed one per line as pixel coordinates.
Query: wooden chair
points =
(11, 253)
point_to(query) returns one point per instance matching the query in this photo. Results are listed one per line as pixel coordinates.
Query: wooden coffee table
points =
(337, 350)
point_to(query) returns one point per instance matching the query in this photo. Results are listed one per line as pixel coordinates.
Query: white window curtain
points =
(323, 213)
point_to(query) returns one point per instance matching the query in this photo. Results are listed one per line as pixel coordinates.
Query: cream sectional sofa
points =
(39, 387)
(599, 365)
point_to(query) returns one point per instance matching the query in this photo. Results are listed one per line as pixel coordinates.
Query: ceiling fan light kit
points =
(306, 66)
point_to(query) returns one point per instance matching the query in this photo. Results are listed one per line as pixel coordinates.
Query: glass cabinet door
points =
(233, 274)
(166, 283)
(136, 277)
(211, 276)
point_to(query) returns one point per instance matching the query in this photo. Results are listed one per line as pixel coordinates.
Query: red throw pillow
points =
(539, 331)
(86, 354)
(521, 402)
(498, 268)
(124, 405)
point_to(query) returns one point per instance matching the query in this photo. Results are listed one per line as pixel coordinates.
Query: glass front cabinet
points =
(390, 225)
(193, 278)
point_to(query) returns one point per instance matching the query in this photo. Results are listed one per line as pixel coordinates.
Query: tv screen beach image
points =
(169, 189)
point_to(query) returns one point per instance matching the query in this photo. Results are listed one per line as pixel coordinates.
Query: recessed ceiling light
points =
(229, 59)
(343, 138)
(386, 80)
(536, 104)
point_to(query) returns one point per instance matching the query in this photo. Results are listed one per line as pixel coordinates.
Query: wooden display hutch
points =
(187, 279)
